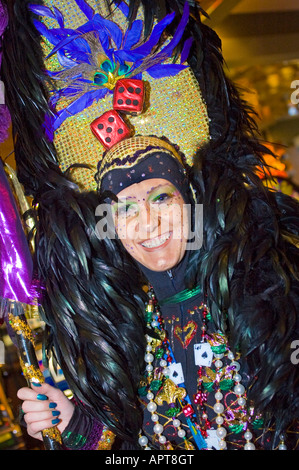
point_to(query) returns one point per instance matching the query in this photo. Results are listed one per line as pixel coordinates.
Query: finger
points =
(26, 393)
(35, 406)
(38, 416)
(52, 393)
(38, 426)
(42, 392)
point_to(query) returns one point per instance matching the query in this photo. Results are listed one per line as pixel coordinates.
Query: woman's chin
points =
(161, 261)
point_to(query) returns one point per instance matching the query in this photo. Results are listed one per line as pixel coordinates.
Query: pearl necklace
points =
(160, 349)
(155, 322)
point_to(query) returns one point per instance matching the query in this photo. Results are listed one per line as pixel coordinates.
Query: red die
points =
(110, 129)
(129, 96)
(188, 410)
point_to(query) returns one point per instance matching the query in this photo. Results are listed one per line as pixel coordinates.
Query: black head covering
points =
(157, 163)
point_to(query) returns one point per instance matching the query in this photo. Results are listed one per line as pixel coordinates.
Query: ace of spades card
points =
(203, 354)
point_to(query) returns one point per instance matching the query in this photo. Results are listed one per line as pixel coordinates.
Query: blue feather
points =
(133, 34)
(78, 105)
(128, 56)
(146, 48)
(41, 11)
(59, 17)
(114, 30)
(53, 38)
(186, 49)
(65, 61)
(165, 70)
(85, 8)
(124, 8)
(62, 44)
(168, 49)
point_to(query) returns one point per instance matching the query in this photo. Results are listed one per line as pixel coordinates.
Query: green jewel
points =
(155, 385)
(159, 353)
(237, 428)
(226, 384)
(148, 317)
(258, 423)
(172, 412)
(219, 349)
(72, 440)
(142, 391)
(208, 386)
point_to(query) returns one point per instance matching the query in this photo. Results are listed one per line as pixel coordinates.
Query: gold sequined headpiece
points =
(88, 51)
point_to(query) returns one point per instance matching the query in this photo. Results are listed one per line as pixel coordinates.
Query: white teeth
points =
(157, 241)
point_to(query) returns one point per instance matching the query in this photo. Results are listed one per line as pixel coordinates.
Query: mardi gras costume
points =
(86, 77)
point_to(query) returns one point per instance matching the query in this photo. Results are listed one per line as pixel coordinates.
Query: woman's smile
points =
(156, 242)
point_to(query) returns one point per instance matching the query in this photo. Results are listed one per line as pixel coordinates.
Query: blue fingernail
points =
(55, 421)
(36, 384)
(52, 405)
(55, 413)
(41, 397)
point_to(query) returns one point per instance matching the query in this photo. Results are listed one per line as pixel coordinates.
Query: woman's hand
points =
(45, 406)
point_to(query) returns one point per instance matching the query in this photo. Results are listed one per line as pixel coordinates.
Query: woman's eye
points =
(164, 197)
(126, 210)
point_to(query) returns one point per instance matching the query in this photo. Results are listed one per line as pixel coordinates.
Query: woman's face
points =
(151, 222)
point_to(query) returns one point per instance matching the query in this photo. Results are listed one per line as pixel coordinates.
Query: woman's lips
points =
(156, 243)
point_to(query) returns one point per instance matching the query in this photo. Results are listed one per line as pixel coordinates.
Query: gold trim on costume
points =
(53, 434)
(32, 373)
(107, 440)
(20, 327)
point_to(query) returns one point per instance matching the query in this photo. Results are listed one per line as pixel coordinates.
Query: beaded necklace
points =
(159, 388)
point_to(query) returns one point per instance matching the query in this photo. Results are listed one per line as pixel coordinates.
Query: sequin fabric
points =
(175, 106)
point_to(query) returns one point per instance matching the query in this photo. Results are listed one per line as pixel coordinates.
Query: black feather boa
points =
(249, 268)
(93, 310)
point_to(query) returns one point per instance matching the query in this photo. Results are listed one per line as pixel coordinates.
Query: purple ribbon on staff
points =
(16, 266)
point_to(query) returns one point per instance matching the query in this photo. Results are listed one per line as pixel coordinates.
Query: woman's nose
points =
(148, 219)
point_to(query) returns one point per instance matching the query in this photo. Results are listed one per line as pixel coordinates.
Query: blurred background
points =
(260, 40)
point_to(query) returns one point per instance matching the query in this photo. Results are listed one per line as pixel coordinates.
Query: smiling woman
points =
(152, 212)
(152, 223)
